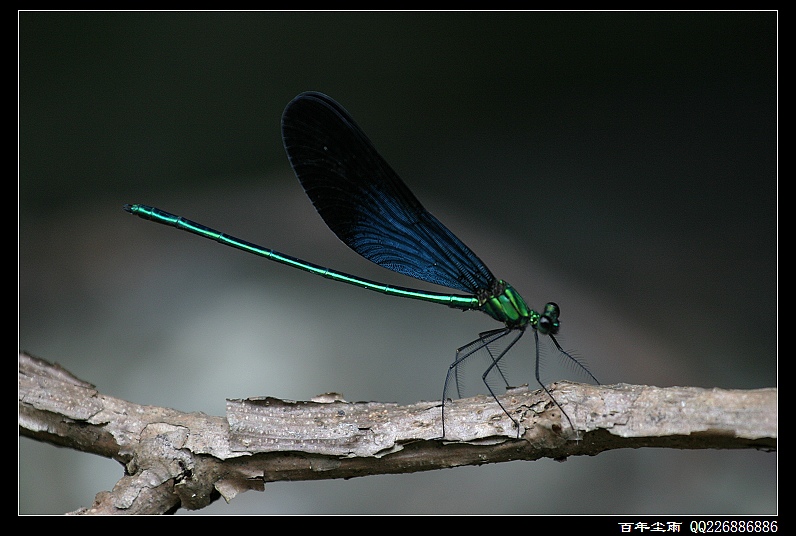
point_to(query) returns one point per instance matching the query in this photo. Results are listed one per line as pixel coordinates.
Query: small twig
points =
(187, 460)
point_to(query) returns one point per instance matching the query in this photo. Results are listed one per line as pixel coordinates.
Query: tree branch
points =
(187, 460)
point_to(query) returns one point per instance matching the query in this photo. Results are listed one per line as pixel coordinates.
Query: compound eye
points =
(552, 310)
(547, 326)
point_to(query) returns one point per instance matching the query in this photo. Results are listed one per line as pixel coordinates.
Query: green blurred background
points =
(621, 164)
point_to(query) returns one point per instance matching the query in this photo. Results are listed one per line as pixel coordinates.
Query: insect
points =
(367, 205)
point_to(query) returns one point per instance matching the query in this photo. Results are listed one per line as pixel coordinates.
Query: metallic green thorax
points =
(505, 304)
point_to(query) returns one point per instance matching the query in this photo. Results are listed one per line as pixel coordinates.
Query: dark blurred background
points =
(621, 164)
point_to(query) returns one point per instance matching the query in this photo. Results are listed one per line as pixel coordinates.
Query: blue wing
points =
(366, 204)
